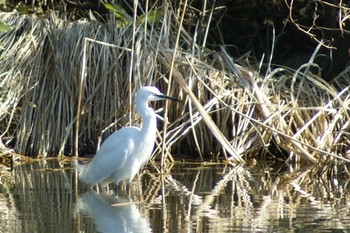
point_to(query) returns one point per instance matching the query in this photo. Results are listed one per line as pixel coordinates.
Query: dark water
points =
(46, 197)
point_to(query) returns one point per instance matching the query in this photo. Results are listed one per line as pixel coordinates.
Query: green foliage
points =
(152, 16)
(3, 26)
(124, 19)
(22, 8)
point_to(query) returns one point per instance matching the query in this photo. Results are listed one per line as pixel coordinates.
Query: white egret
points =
(124, 152)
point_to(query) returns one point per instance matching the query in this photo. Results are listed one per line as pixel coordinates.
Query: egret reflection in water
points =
(112, 214)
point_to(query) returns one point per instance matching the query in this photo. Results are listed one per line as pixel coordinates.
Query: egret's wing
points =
(111, 157)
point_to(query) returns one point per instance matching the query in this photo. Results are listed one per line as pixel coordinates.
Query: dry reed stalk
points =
(164, 155)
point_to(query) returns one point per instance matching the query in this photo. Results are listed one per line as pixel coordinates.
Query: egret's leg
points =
(116, 189)
(128, 188)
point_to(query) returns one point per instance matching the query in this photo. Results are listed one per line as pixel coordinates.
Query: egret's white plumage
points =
(124, 152)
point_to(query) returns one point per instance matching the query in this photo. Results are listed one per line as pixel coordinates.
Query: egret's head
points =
(151, 93)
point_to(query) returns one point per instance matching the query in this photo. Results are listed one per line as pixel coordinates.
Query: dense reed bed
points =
(65, 86)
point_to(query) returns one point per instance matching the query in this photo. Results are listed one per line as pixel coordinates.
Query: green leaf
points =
(122, 17)
(2, 1)
(154, 16)
(4, 27)
(22, 8)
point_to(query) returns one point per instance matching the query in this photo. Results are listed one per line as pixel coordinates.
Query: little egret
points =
(124, 152)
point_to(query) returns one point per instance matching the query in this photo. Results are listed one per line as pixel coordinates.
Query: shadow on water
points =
(193, 197)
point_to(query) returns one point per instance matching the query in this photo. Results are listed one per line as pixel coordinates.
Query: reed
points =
(65, 84)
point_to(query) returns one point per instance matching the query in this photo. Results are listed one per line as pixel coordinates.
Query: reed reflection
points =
(190, 197)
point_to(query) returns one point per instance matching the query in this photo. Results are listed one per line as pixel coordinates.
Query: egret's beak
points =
(168, 97)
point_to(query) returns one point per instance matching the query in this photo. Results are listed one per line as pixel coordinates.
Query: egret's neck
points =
(149, 123)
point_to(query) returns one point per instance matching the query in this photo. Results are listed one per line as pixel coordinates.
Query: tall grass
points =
(229, 109)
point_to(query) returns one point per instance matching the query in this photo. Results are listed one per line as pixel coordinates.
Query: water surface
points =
(45, 196)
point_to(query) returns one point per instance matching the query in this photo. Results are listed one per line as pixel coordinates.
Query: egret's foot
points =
(94, 188)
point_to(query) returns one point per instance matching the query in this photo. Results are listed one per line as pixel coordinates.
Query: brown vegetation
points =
(67, 85)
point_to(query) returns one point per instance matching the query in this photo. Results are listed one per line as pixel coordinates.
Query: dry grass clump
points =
(301, 113)
(67, 85)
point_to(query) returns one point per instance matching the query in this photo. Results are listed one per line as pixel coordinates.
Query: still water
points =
(45, 196)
